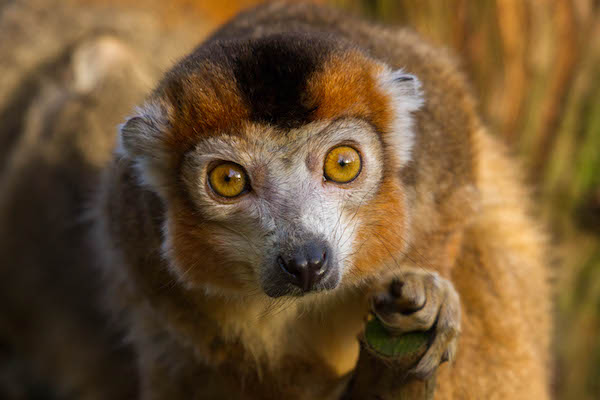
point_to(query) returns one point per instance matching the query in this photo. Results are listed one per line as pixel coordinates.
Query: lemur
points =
(299, 170)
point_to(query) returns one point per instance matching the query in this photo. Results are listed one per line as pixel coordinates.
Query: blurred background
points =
(534, 66)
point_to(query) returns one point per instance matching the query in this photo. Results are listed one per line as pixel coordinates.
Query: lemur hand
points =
(418, 300)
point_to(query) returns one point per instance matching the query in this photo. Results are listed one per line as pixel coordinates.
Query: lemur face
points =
(283, 205)
(279, 164)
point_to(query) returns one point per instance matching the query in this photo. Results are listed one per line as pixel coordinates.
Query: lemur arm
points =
(415, 327)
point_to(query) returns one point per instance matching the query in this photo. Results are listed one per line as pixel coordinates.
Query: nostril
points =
(318, 262)
(285, 266)
(321, 268)
(324, 257)
(317, 259)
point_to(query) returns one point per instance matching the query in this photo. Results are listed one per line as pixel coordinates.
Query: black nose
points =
(306, 265)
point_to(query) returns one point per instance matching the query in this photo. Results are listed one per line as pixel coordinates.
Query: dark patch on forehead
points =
(264, 79)
(272, 75)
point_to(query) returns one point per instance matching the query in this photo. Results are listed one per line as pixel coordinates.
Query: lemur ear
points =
(141, 138)
(406, 97)
(410, 87)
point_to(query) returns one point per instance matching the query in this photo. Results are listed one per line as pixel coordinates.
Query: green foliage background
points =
(535, 67)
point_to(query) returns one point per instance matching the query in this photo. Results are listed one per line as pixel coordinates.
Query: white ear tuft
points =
(141, 138)
(406, 97)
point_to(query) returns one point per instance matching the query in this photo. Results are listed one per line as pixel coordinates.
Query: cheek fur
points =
(196, 255)
(382, 235)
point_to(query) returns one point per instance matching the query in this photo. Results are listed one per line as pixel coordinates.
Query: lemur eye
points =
(228, 180)
(342, 164)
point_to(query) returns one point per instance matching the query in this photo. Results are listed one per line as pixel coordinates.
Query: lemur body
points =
(241, 255)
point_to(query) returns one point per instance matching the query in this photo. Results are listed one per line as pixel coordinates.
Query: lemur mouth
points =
(328, 282)
(288, 287)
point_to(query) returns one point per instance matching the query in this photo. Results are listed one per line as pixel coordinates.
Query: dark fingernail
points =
(445, 357)
(396, 288)
(379, 300)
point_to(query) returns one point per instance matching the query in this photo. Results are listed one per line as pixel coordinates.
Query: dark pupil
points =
(231, 174)
(343, 161)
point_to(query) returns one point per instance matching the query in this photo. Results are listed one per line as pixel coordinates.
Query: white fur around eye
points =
(406, 97)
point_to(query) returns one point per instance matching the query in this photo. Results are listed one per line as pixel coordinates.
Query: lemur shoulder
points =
(297, 171)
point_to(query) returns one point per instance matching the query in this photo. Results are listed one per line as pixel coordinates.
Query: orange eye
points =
(228, 180)
(342, 164)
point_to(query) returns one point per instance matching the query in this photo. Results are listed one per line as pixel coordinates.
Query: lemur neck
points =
(323, 326)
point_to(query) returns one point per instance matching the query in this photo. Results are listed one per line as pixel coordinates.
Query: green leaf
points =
(408, 345)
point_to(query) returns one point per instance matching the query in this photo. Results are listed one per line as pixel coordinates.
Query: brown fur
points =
(346, 87)
(210, 102)
(460, 198)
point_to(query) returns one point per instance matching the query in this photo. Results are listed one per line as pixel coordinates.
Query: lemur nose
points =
(306, 264)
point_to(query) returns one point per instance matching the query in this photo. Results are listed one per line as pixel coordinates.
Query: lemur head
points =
(278, 160)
